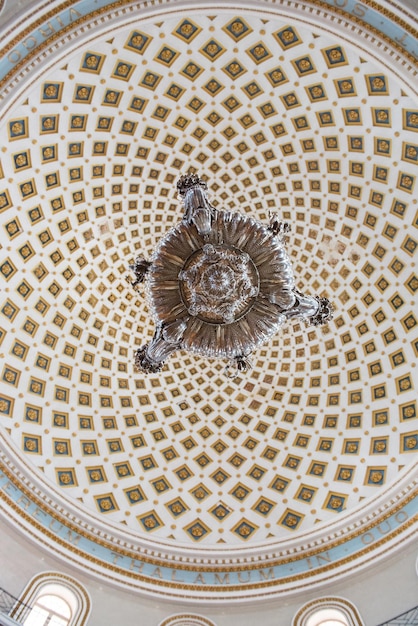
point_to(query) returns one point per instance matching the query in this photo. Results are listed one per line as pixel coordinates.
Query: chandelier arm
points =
(168, 338)
(277, 227)
(304, 307)
(197, 208)
(140, 268)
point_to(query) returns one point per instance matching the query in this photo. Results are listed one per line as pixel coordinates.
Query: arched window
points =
(53, 599)
(186, 619)
(327, 617)
(328, 612)
(49, 608)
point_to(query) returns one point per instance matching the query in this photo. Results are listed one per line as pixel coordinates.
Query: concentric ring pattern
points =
(275, 116)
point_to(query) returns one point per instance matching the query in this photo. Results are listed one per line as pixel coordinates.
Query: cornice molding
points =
(269, 569)
(27, 47)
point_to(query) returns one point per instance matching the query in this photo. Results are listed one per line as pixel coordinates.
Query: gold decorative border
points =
(375, 31)
(153, 582)
(327, 601)
(173, 584)
(120, 3)
(378, 7)
(37, 23)
(25, 597)
(156, 584)
(177, 620)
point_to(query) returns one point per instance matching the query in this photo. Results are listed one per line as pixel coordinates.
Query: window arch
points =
(328, 612)
(186, 619)
(49, 607)
(53, 598)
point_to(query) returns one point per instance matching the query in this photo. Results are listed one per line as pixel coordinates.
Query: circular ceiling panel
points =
(275, 116)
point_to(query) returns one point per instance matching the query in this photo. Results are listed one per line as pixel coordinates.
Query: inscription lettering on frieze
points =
(318, 560)
(358, 8)
(266, 575)
(60, 532)
(222, 580)
(136, 566)
(385, 527)
(354, 8)
(42, 33)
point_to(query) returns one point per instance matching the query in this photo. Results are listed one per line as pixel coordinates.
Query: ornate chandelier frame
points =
(219, 284)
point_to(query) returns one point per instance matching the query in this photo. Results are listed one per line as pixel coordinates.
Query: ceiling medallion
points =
(219, 284)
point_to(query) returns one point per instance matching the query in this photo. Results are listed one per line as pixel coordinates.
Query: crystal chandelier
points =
(219, 284)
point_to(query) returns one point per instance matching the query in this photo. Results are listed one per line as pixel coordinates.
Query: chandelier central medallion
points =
(219, 284)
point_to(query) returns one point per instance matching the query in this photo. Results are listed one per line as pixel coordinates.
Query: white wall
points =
(379, 594)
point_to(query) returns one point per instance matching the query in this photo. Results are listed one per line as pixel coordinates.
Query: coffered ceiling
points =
(277, 115)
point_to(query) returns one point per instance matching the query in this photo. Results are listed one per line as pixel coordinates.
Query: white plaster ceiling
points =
(276, 115)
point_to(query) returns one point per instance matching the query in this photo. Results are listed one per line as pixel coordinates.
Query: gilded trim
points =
(329, 602)
(199, 584)
(121, 3)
